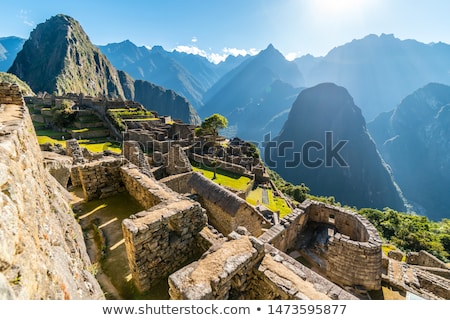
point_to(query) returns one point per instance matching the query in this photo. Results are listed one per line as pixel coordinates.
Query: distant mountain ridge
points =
(255, 96)
(59, 57)
(379, 71)
(188, 74)
(325, 145)
(9, 47)
(414, 139)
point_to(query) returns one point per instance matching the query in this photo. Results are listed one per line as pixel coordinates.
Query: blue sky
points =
(219, 27)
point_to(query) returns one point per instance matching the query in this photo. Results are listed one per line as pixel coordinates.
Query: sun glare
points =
(341, 8)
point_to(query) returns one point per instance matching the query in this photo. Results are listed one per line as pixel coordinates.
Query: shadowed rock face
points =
(325, 144)
(42, 249)
(414, 140)
(59, 57)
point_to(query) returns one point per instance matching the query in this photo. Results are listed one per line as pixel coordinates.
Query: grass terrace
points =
(118, 116)
(224, 178)
(93, 145)
(261, 196)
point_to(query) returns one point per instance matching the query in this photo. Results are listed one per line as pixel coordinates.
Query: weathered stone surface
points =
(207, 278)
(42, 250)
(59, 166)
(425, 259)
(396, 255)
(226, 211)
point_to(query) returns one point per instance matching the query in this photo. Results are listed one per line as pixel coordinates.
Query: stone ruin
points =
(42, 249)
(238, 252)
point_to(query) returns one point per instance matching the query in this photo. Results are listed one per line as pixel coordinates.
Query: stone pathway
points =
(265, 196)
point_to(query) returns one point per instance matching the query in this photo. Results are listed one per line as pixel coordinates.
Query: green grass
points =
(47, 139)
(224, 178)
(80, 130)
(92, 146)
(275, 203)
(50, 133)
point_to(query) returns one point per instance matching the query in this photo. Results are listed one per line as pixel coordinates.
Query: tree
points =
(212, 125)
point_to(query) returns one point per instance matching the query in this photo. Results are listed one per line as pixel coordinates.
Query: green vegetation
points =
(80, 130)
(411, 232)
(255, 197)
(298, 193)
(118, 116)
(63, 115)
(212, 125)
(90, 144)
(223, 178)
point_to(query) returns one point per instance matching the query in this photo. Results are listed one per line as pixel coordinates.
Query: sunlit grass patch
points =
(95, 147)
(255, 197)
(235, 182)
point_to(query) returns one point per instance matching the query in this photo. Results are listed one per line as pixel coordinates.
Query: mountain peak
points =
(158, 49)
(327, 116)
(59, 57)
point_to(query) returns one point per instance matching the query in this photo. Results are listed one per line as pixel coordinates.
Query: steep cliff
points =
(59, 57)
(42, 251)
(414, 139)
(325, 144)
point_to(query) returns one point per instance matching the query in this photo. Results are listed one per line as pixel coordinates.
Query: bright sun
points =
(341, 8)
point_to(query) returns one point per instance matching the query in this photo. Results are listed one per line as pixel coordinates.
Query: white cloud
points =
(216, 57)
(194, 39)
(191, 50)
(292, 55)
(23, 15)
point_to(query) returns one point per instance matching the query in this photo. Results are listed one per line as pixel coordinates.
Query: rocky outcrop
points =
(164, 102)
(59, 57)
(414, 140)
(42, 250)
(325, 144)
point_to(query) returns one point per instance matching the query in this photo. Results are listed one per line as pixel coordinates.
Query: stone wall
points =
(226, 211)
(219, 273)
(423, 258)
(176, 161)
(227, 166)
(147, 191)
(42, 250)
(133, 153)
(244, 268)
(59, 166)
(101, 178)
(283, 236)
(161, 239)
(280, 277)
(89, 134)
(179, 182)
(354, 253)
(10, 94)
